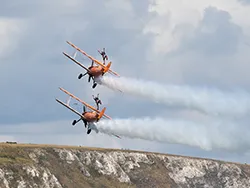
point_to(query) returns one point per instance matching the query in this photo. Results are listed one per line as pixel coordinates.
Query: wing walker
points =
(94, 71)
(89, 115)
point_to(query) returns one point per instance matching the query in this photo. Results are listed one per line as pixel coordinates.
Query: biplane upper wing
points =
(90, 57)
(77, 62)
(84, 103)
(69, 107)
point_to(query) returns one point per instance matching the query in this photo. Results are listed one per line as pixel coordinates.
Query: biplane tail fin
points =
(101, 114)
(106, 69)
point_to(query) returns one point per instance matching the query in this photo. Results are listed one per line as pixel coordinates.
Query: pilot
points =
(97, 101)
(104, 55)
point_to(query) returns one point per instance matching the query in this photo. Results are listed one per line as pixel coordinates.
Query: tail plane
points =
(101, 113)
(106, 69)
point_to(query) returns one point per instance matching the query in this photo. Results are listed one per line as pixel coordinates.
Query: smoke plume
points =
(209, 136)
(209, 101)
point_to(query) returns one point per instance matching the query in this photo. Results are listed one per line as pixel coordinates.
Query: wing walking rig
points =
(89, 115)
(96, 69)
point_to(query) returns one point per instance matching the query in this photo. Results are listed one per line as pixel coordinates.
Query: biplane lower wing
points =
(77, 62)
(79, 114)
(110, 71)
(84, 103)
(93, 59)
(73, 110)
(116, 136)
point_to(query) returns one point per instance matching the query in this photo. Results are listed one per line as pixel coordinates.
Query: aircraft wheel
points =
(95, 84)
(89, 130)
(80, 76)
(74, 122)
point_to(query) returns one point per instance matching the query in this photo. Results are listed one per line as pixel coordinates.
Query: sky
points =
(197, 43)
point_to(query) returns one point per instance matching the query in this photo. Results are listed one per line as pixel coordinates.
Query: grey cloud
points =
(38, 68)
(216, 34)
(141, 7)
(244, 2)
(61, 132)
(64, 134)
(213, 55)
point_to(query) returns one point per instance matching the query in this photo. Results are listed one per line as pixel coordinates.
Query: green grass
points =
(13, 155)
(85, 148)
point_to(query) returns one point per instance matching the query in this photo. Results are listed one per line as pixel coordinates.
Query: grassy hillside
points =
(36, 165)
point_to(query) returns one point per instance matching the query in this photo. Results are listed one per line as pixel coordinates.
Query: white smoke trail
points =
(210, 136)
(210, 101)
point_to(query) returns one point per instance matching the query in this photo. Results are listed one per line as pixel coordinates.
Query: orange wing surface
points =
(67, 106)
(84, 103)
(77, 62)
(90, 57)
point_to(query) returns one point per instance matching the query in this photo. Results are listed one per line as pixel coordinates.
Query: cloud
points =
(55, 132)
(161, 40)
(212, 46)
(190, 13)
(244, 2)
(5, 138)
(42, 67)
(62, 132)
(11, 31)
(216, 34)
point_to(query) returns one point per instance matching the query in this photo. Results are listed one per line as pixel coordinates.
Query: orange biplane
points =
(93, 71)
(88, 117)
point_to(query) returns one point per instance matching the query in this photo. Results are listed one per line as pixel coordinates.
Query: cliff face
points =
(76, 167)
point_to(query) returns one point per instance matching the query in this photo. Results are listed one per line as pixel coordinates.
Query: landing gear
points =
(89, 130)
(94, 85)
(74, 122)
(80, 76)
(85, 122)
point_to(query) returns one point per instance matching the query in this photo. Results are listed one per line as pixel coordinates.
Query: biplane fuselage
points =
(86, 116)
(96, 71)
(90, 116)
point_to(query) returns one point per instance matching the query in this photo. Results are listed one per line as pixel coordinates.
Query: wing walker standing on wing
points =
(104, 55)
(94, 71)
(93, 115)
(88, 117)
(97, 101)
